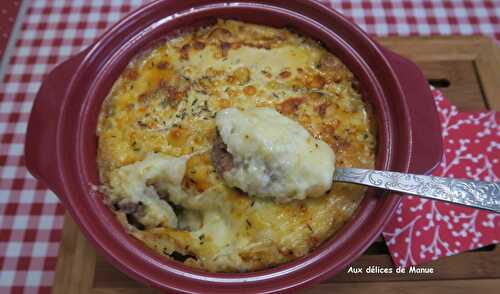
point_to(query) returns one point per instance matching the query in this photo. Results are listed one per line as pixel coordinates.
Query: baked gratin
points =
(157, 128)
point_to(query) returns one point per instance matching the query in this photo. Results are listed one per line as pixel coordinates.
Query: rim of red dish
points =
(105, 60)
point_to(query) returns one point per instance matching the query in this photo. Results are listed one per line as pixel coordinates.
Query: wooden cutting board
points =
(467, 71)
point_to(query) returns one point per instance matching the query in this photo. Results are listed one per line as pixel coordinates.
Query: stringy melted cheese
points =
(157, 126)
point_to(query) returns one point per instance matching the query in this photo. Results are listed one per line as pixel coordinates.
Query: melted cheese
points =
(158, 122)
(134, 182)
(274, 156)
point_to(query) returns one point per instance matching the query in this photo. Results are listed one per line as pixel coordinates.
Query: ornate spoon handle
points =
(484, 195)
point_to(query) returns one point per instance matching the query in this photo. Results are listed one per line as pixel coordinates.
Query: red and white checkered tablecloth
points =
(31, 218)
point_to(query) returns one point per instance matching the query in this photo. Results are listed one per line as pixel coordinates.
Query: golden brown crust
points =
(164, 103)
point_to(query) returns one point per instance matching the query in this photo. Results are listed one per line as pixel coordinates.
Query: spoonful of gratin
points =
(268, 155)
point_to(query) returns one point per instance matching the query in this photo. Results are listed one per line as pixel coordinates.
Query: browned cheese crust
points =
(164, 103)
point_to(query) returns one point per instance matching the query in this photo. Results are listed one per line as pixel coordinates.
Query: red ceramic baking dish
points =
(61, 139)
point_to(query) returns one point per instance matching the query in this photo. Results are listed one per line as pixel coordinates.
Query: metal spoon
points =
(483, 195)
(477, 194)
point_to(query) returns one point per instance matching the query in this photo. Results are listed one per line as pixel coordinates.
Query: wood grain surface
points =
(467, 71)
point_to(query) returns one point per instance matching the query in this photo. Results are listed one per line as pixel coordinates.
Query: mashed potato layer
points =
(157, 127)
(274, 156)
